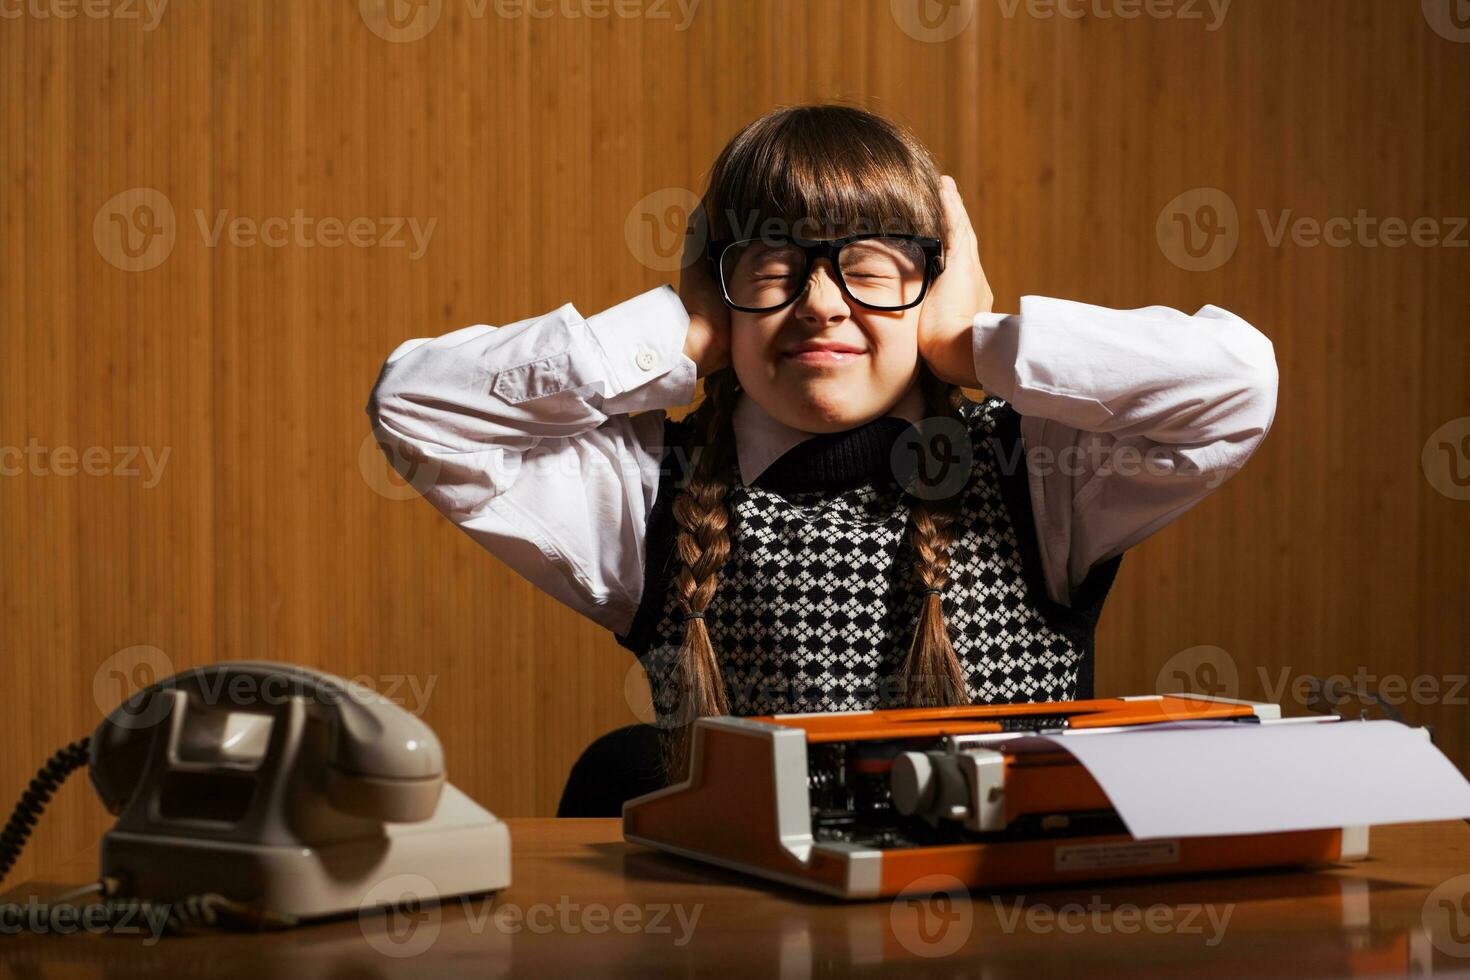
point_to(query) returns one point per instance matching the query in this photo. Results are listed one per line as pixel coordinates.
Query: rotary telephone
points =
(260, 793)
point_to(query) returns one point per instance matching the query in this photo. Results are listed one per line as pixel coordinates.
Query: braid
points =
(931, 673)
(702, 545)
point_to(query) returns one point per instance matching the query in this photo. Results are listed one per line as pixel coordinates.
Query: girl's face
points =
(825, 363)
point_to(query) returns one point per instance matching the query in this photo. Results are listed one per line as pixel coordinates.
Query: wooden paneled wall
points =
(207, 248)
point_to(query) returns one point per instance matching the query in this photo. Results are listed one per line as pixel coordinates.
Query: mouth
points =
(824, 354)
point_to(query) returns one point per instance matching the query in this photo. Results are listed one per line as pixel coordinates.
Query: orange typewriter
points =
(865, 804)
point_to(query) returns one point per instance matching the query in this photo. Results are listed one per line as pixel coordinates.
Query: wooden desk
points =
(584, 901)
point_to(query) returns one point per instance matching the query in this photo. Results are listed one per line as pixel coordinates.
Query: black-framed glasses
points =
(880, 272)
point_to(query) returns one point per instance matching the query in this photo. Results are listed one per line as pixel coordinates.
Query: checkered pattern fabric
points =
(816, 605)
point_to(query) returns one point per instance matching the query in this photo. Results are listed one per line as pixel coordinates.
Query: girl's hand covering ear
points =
(708, 341)
(946, 321)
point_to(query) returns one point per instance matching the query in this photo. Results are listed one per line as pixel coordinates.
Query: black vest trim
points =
(659, 538)
(1078, 621)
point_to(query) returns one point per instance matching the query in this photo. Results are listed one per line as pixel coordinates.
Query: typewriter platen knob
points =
(965, 786)
(914, 783)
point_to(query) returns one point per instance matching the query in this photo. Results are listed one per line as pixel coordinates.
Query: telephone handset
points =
(278, 789)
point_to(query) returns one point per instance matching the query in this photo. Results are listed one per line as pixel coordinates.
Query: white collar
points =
(761, 439)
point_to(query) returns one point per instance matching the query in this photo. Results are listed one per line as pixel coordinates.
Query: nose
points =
(821, 301)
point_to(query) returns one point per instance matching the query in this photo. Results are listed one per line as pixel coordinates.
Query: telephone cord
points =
(192, 912)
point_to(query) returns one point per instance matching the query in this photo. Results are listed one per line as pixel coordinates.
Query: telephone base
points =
(462, 850)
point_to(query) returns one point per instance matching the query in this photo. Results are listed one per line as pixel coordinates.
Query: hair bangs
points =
(822, 172)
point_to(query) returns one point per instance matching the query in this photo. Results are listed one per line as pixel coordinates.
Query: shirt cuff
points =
(642, 343)
(996, 339)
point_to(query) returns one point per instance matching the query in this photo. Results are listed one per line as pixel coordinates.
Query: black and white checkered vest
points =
(816, 604)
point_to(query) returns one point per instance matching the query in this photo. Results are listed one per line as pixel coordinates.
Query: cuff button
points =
(646, 358)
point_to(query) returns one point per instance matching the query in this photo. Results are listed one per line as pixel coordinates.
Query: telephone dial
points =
(264, 793)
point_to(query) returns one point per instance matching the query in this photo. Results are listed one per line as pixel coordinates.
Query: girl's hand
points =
(708, 341)
(946, 322)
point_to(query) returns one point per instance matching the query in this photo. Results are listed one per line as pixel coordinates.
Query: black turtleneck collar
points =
(838, 460)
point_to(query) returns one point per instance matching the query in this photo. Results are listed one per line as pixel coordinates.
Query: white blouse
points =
(525, 437)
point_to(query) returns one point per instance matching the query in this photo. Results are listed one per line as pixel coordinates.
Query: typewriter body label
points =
(1116, 854)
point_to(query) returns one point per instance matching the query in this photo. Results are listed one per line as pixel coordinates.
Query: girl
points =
(835, 527)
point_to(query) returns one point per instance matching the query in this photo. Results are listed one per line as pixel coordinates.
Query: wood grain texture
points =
(1388, 916)
(273, 529)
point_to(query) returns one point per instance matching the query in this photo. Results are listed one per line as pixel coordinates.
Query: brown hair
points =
(841, 170)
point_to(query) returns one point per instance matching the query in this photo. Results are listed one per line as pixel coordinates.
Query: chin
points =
(817, 411)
